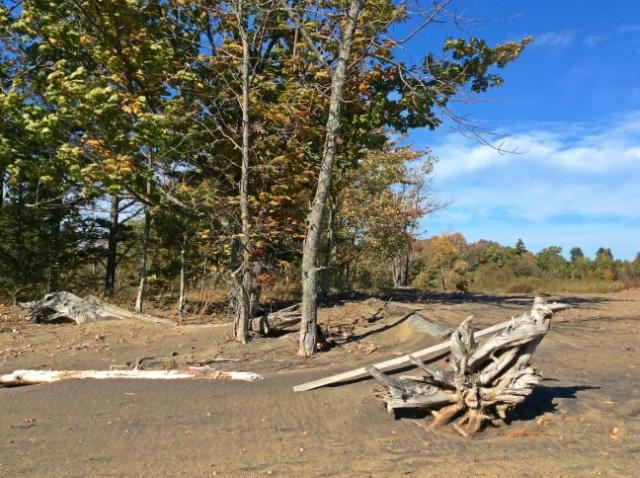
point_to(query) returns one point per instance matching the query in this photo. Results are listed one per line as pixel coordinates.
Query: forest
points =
(219, 144)
(243, 150)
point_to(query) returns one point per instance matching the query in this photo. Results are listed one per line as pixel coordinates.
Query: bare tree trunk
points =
(308, 325)
(326, 269)
(182, 298)
(143, 260)
(401, 268)
(256, 288)
(53, 280)
(243, 308)
(145, 247)
(1, 189)
(112, 247)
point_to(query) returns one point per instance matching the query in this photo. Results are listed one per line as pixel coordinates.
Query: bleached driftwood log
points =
(486, 380)
(65, 306)
(29, 377)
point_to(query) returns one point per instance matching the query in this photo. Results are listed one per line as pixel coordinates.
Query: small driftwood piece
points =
(278, 319)
(403, 360)
(30, 377)
(486, 379)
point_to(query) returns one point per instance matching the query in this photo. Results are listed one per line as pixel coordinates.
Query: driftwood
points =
(278, 319)
(486, 379)
(30, 377)
(421, 324)
(289, 316)
(68, 307)
(404, 360)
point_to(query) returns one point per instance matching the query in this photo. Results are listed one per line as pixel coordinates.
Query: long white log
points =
(404, 360)
(27, 377)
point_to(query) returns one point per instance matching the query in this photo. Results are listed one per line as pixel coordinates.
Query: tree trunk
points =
(112, 247)
(308, 324)
(243, 289)
(401, 268)
(145, 246)
(1, 189)
(256, 288)
(53, 280)
(182, 298)
(326, 269)
(143, 260)
(443, 278)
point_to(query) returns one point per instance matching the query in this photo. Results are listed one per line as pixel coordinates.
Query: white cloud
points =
(554, 39)
(580, 178)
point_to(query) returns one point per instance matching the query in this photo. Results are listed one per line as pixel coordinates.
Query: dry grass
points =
(528, 285)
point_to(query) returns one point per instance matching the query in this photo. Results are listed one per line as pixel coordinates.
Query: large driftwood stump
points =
(67, 307)
(486, 379)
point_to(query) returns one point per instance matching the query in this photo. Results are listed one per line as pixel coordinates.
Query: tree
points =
(95, 73)
(605, 266)
(550, 260)
(422, 90)
(308, 333)
(604, 254)
(445, 261)
(576, 254)
(520, 247)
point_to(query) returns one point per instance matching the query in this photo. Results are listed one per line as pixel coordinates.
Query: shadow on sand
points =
(543, 400)
(422, 296)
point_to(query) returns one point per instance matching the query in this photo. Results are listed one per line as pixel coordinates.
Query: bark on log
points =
(279, 319)
(486, 379)
(30, 377)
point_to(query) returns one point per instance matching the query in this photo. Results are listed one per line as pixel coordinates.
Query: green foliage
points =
(139, 100)
(491, 267)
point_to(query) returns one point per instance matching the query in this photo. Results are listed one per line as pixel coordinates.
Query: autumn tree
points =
(422, 93)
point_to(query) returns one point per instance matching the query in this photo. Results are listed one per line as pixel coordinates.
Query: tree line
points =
(449, 262)
(221, 143)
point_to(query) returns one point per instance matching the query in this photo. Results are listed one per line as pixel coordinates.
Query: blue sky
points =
(570, 106)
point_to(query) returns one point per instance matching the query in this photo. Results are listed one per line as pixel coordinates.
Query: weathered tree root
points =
(487, 379)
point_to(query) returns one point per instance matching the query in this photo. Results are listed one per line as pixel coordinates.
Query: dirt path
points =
(583, 421)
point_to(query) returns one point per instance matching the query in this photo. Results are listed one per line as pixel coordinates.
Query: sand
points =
(583, 421)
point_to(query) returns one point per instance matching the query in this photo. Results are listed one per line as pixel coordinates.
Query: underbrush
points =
(528, 285)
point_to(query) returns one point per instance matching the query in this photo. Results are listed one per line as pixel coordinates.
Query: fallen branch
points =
(404, 360)
(30, 377)
(487, 379)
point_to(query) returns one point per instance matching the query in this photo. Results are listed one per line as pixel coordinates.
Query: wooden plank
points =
(391, 364)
